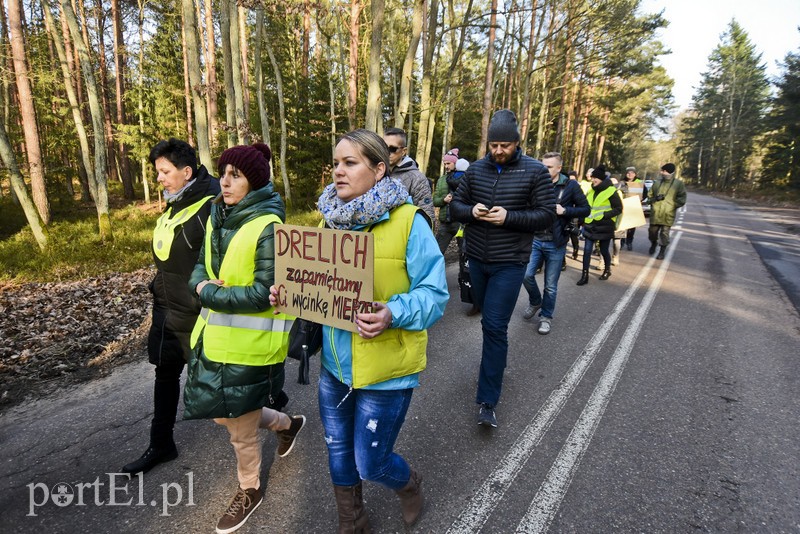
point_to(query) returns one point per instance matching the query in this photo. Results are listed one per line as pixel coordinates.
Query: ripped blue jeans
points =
(360, 432)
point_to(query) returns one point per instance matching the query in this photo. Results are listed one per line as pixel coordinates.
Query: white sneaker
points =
(614, 260)
(544, 326)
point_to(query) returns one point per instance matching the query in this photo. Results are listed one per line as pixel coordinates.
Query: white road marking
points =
(552, 491)
(490, 493)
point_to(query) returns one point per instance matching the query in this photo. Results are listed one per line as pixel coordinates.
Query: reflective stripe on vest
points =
(164, 232)
(254, 339)
(599, 204)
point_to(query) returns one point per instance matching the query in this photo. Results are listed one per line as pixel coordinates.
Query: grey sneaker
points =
(531, 310)
(286, 438)
(544, 326)
(242, 506)
(486, 416)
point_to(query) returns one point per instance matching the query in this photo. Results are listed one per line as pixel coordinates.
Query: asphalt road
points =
(666, 399)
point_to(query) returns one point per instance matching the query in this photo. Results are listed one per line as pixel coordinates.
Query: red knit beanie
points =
(252, 161)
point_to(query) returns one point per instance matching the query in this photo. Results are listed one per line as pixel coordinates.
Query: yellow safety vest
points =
(600, 204)
(164, 232)
(395, 352)
(254, 339)
(586, 186)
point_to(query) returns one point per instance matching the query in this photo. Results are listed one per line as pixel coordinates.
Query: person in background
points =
(600, 224)
(503, 199)
(550, 245)
(367, 379)
(573, 236)
(445, 187)
(635, 188)
(405, 169)
(239, 342)
(667, 195)
(177, 237)
(616, 248)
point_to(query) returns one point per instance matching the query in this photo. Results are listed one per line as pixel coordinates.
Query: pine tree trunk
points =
(28, 111)
(119, 65)
(352, 78)
(488, 82)
(199, 105)
(211, 75)
(72, 98)
(244, 53)
(417, 18)
(187, 85)
(282, 118)
(104, 91)
(258, 72)
(373, 115)
(96, 110)
(525, 115)
(18, 187)
(227, 69)
(427, 113)
(142, 159)
(236, 71)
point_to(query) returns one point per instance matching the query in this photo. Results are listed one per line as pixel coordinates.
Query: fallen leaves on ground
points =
(52, 334)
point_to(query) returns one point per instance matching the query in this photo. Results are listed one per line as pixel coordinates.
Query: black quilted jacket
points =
(523, 187)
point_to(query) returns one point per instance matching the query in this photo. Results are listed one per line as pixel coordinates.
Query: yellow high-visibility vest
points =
(254, 339)
(164, 232)
(600, 204)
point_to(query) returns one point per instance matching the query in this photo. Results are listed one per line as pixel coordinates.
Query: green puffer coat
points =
(662, 212)
(227, 390)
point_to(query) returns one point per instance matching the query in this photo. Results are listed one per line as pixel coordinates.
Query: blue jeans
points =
(495, 287)
(361, 427)
(553, 258)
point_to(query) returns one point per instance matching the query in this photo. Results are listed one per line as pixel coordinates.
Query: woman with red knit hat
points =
(239, 343)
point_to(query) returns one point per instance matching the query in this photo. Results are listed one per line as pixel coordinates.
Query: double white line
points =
(548, 499)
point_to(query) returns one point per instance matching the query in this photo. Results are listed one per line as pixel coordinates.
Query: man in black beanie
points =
(504, 197)
(667, 195)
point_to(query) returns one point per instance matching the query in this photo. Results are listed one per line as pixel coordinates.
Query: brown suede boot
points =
(411, 500)
(353, 518)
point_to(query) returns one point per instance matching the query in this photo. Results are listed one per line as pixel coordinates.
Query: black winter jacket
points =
(570, 195)
(605, 227)
(524, 188)
(175, 306)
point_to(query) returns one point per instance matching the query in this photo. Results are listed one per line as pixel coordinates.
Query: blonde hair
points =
(370, 145)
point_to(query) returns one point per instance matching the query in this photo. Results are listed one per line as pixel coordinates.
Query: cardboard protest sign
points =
(324, 275)
(632, 214)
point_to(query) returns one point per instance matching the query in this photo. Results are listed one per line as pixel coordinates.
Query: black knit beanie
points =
(599, 172)
(503, 127)
(669, 167)
(252, 160)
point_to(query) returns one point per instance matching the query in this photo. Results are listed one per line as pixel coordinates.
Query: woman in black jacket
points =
(601, 223)
(177, 238)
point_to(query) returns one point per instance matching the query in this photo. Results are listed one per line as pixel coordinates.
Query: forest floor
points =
(59, 333)
(56, 334)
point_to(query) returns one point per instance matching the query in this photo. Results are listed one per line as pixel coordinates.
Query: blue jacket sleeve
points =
(427, 296)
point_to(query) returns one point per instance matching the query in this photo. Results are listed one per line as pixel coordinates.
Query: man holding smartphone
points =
(503, 198)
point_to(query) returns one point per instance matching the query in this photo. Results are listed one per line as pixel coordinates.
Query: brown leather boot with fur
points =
(411, 500)
(353, 518)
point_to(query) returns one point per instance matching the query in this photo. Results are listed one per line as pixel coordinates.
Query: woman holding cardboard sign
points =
(367, 379)
(239, 343)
